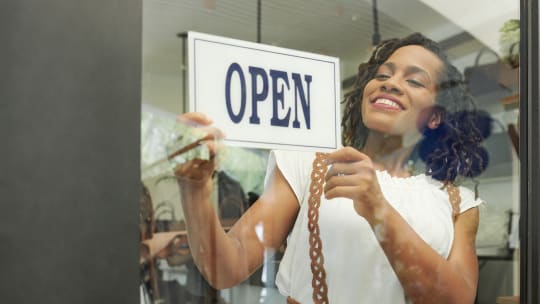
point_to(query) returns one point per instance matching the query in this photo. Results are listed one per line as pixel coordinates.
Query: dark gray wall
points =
(69, 150)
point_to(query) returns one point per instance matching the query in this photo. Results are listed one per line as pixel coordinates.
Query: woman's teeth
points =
(387, 102)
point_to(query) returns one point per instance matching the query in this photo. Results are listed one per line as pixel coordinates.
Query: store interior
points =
(482, 43)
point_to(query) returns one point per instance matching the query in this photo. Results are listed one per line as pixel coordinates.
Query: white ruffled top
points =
(356, 266)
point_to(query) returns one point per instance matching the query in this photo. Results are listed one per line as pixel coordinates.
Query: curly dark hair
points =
(451, 150)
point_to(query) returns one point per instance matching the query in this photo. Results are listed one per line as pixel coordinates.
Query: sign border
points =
(194, 37)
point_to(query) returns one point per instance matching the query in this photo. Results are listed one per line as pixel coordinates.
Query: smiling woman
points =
(385, 213)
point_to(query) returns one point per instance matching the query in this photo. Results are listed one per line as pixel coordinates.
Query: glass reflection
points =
(392, 217)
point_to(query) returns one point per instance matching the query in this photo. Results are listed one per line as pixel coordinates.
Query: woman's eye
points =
(382, 76)
(415, 83)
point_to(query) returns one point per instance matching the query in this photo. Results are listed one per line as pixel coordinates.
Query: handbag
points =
(165, 218)
(178, 252)
(146, 214)
(147, 268)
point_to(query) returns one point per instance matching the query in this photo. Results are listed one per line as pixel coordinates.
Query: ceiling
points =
(341, 28)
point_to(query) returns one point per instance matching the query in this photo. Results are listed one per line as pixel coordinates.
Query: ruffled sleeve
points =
(296, 168)
(468, 199)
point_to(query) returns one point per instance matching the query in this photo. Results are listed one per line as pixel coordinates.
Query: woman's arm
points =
(225, 259)
(425, 276)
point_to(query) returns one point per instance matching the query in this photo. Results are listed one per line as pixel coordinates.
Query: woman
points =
(387, 236)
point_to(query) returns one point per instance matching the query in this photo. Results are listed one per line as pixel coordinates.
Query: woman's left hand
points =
(353, 176)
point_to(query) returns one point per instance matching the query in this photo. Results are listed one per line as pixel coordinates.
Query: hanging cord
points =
(454, 196)
(259, 17)
(376, 37)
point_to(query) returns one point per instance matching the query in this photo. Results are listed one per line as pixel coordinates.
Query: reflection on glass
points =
(391, 218)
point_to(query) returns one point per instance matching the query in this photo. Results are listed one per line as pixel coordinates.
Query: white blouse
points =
(356, 267)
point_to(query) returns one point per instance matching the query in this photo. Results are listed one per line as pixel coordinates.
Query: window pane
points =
(432, 120)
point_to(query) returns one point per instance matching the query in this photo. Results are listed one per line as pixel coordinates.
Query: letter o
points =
(235, 67)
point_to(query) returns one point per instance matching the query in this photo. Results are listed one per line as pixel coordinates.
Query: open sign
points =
(264, 96)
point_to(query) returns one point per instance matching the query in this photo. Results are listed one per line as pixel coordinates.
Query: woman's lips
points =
(387, 104)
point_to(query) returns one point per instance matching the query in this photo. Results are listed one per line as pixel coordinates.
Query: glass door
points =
(483, 45)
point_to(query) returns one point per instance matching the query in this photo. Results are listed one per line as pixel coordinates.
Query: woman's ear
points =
(434, 120)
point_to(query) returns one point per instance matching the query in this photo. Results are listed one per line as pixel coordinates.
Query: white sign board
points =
(264, 96)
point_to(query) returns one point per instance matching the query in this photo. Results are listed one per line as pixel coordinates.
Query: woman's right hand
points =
(199, 171)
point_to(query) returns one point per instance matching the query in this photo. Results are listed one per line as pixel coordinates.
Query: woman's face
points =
(399, 99)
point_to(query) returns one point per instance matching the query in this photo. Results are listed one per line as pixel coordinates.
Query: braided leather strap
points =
(292, 301)
(455, 198)
(320, 289)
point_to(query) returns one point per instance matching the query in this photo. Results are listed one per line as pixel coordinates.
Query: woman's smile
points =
(387, 102)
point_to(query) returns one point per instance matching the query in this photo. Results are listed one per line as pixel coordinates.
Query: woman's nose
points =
(391, 85)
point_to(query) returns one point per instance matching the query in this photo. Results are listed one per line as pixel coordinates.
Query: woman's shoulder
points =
(295, 166)
(291, 160)
(293, 154)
